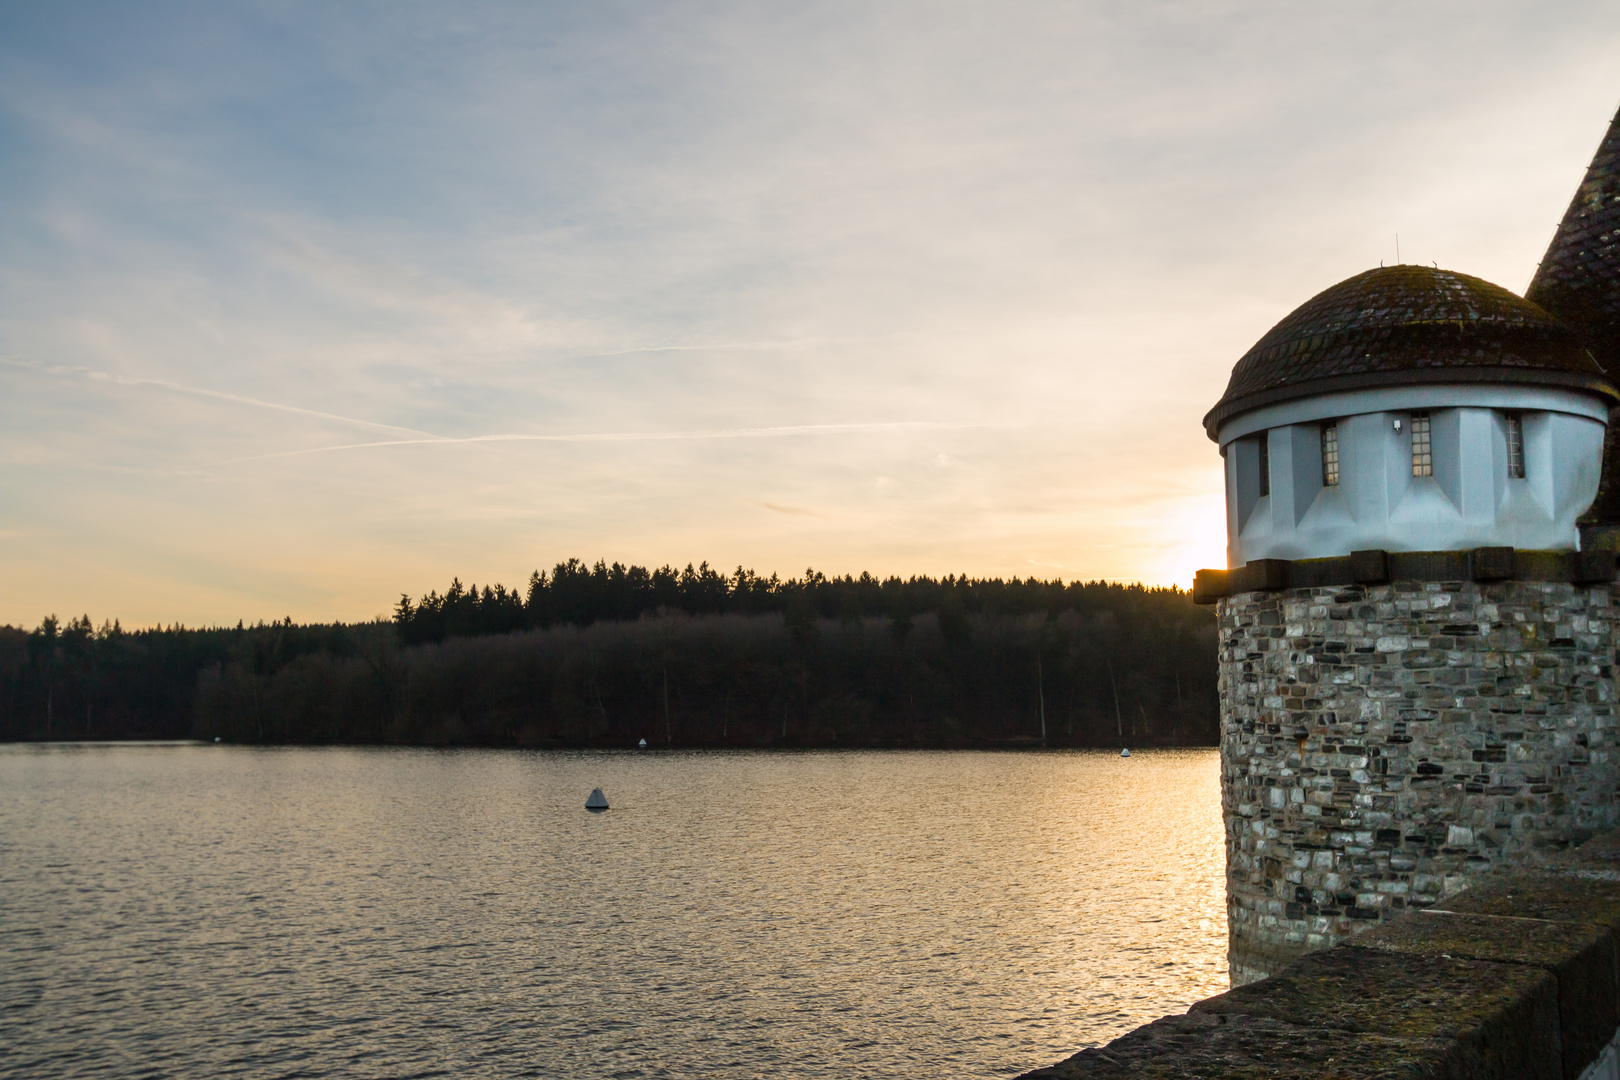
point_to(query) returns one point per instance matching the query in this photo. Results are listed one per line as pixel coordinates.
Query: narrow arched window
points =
(1515, 441)
(1422, 451)
(1330, 453)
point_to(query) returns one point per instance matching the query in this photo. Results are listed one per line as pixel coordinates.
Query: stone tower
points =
(1416, 652)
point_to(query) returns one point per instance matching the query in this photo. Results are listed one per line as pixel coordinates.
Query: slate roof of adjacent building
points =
(1579, 277)
(1579, 282)
(1405, 326)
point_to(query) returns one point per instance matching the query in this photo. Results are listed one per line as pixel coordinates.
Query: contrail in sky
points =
(641, 436)
(427, 438)
(197, 391)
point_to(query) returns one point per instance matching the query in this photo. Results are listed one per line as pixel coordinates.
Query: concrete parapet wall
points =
(1383, 745)
(1516, 977)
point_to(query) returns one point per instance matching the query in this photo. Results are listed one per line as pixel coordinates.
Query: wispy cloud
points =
(792, 511)
(764, 346)
(962, 279)
(778, 432)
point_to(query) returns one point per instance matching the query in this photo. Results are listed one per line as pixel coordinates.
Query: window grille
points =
(1330, 454)
(1515, 441)
(1265, 463)
(1422, 452)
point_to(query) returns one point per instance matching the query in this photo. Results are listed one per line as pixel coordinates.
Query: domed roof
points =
(1404, 326)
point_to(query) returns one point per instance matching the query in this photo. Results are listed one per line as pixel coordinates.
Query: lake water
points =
(200, 911)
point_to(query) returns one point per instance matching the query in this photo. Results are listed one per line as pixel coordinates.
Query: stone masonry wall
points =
(1382, 744)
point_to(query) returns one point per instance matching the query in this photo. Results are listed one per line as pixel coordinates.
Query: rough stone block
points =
(1251, 1048)
(1502, 1018)
(1581, 957)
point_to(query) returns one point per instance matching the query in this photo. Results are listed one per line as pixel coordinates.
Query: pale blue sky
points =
(924, 287)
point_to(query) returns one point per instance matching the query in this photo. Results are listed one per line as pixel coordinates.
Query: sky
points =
(307, 305)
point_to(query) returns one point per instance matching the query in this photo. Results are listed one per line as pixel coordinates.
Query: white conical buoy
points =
(643, 744)
(597, 800)
(1125, 751)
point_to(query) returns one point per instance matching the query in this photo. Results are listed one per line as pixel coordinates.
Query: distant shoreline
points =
(954, 663)
(1005, 745)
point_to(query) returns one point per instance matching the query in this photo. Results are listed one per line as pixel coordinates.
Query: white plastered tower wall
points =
(1470, 500)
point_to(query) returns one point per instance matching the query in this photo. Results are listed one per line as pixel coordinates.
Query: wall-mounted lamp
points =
(1397, 426)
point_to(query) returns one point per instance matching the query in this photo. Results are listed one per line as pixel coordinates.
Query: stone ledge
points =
(1381, 567)
(1580, 958)
(1253, 1048)
(1515, 977)
(1500, 1019)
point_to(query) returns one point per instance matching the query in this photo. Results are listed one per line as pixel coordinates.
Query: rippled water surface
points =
(205, 911)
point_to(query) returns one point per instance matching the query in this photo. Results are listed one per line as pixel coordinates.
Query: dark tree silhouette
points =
(607, 654)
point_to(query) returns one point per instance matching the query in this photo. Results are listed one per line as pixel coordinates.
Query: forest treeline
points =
(606, 655)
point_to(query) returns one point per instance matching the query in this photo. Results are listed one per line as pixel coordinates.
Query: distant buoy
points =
(643, 744)
(597, 801)
(1125, 752)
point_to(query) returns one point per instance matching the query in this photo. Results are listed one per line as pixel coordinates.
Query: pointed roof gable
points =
(1578, 281)
(1579, 277)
